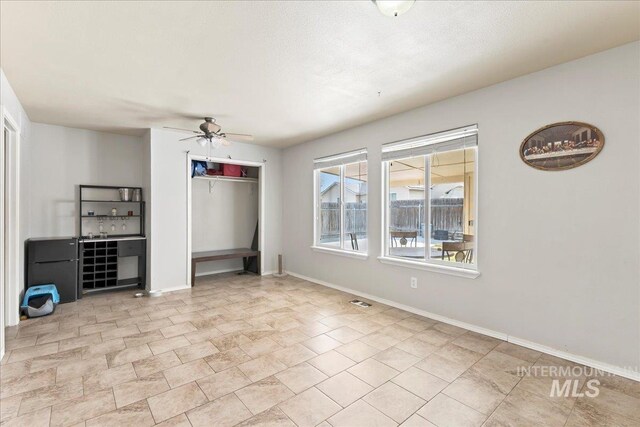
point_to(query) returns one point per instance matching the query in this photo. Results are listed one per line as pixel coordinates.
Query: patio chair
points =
(354, 241)
(469, 238)
(404, 238)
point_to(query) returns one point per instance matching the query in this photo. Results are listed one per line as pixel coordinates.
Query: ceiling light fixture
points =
(393, 7)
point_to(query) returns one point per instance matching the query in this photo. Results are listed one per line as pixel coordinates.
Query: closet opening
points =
(225, 216)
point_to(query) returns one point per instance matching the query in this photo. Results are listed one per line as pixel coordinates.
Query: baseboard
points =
(596, 364)
(602, 366)
(410, 309)
(176, 288)
(268, 273)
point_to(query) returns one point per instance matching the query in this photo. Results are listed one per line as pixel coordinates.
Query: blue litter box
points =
(40, 300)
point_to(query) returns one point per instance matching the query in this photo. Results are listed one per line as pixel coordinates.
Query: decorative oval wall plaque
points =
(560, 146)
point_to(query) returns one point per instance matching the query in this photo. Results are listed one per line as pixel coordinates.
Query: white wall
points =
(11, 103)
(10, 106)
(558, 251)
(58, 159)
(146, 189)
(224, 218)
(169, 204)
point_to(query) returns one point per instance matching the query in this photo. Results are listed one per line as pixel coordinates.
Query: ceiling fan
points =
(210, 132)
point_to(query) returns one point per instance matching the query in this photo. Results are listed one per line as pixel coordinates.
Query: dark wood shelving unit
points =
(98, 270)
(99, 265)
(104, 212)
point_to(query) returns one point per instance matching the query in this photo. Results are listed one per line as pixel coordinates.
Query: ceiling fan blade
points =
(191, 137)
(182, 130)
(238, 136)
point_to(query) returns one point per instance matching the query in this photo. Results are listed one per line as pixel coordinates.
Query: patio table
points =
(407, 251)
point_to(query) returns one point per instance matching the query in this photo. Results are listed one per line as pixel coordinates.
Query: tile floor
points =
(245, 350)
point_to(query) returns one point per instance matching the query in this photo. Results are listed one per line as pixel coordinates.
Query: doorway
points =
(9, 224)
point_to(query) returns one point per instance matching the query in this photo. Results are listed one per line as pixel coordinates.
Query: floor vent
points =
(360, 303)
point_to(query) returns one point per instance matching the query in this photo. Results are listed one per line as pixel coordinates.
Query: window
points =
(431, 198)
(341, 201)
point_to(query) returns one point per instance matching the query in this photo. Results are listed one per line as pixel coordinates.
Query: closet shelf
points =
(226, 178)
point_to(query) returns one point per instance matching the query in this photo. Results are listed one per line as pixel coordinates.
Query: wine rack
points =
(99, 264)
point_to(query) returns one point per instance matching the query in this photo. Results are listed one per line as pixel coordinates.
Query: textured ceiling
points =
(287, 71)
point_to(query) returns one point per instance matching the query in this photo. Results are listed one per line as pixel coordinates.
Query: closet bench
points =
(219, 255)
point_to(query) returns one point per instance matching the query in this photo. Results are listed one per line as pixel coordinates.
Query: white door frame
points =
(3, 162)
(261, 190)
(10, 203)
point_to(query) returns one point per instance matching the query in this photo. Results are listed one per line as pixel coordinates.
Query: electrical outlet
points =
(414, 282)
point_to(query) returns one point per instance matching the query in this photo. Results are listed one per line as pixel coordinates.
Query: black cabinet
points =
(53, 249)
(99, 264)
(54, 261)
(131, 248)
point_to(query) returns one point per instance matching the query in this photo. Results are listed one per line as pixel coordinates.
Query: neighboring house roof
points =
(329, 187)
(357, 191)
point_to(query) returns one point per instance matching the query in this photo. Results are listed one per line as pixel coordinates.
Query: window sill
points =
(436, 268)
(341, 252)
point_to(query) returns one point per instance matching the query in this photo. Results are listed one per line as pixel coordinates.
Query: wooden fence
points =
(406, 215)
(355, 220)
(447, 214)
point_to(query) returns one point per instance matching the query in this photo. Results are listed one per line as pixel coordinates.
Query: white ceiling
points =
(285, 71)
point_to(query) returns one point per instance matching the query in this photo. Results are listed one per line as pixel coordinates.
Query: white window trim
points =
(326, 248)
(432, 265)
(341, 252)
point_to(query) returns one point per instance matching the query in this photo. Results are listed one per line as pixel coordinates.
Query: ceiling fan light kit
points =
(210, 126)
(210, 134)
(393, 8)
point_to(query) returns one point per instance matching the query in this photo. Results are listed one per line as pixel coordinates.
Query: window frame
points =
(430, 264)
(317, 207)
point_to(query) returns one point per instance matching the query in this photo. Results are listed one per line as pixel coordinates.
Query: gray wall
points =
(57, 159)
(146, 188)
(10, 103)
(558, 251)
(222, 218)
(168, 209)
